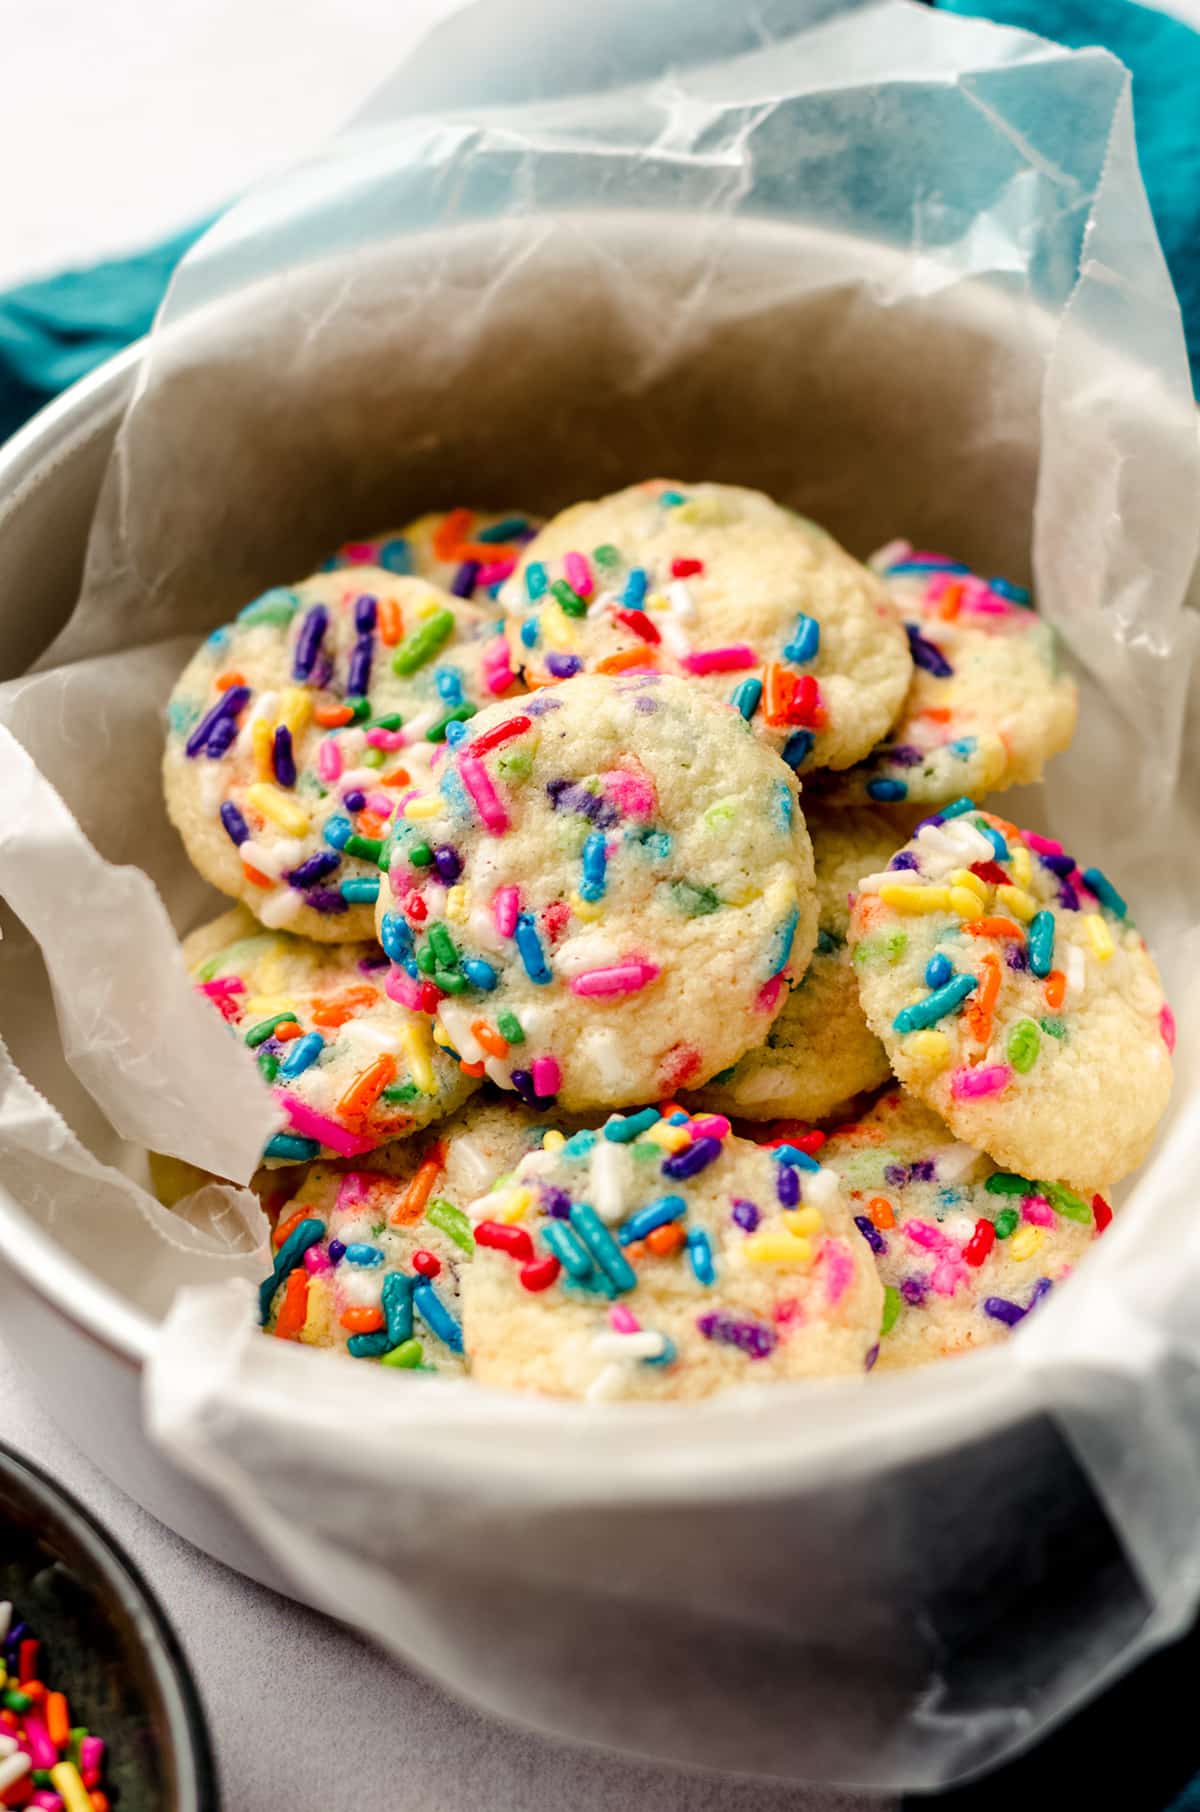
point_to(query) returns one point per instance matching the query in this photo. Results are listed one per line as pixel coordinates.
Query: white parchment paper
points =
(898, 269)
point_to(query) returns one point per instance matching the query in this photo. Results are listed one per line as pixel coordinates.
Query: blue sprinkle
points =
(338, 831)
(567, 1249)
(396, 1302)
(536, 580)
(595, 861)
(957, 809)
(507, 529)
(792, 1154)
(234, 823)
(289, 1255)
(291, 1148)
(479, 973)
(999, 846)
(579, 1144)
(678, 1119)
(448, 681)
(666, 1356)
(935, 1006)
(887, 789)
(530, 629)
(783, 804)
(363, 892)
(670, 499)
(395, 556)
(806, 639)
(302, 1054)
(1041, 943)
(928, 566)
(964, 746)
(361, 1253)
(798, 747)
(654, 1214)
(455, 733)
(436, 1316)
(635, 588)
(625, 1129)
(785, 935)
(1105, 892)
(746, 696)
(1016, 594)
(369, 1346)
(604, 1249)
(699, 1251)
(529, 948)
(938, 971)
(395, 936)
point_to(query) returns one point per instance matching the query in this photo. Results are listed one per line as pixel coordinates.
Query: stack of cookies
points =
(651, 1004)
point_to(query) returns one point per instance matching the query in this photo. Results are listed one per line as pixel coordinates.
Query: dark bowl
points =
(106, 1644)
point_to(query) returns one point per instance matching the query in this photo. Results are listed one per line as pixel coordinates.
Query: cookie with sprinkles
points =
(603, 893)
(989, 702)
(723, 586)
(663, 1258)
(469, 553)
(1015, 997)
(293, 732)
(964, 1251)
(350, 1066)
(820, 1051)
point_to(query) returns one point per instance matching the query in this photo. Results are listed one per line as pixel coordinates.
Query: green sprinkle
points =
(450, 982)
(75, 1737)
(723, 812)
(426, 961)
(724, 1076)
(390, 720)
(646, 1152)
(515, 767)
(509, 1027)
(41, 1777)
(368, 848)
(360, 710)
(420, 855)
(373, 758)
(274, 607)
(568, 599)
(606, 554)
(1024, 1043)
(437, 732)
(695, 901)
(16, 1701)
(890, 948)
(891, 1309)
(1065, 1202)
(1054, 1028)
(406, 1357)
(268, 1064)
(1006, 1222)
(401, 1091)
(423, 643)
(443, 945)
(241, 955)
(1007, 1182)
(452, 1222)
(262, 1031)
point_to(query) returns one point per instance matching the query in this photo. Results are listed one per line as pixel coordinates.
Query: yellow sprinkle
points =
(552, 1140)
(417, 1050)
(964, 902)
(295, 709)
(430, 605)
(558, 631)
(1099, 936)
(962, 877)
(262, 745)
(723, 812)
(1022, 905)
(1021, 863)
(265, 1006)
(441, 1036)
(805, 1223)
(1026, 1241)
(777, 1249)
(741, 893)
(69, 1785)
(276, 806)
(509, 1205)
(780, 896)
(657, 600)
(588, 910)
(916, 899)
(458, 904)
(425, 805)
(668, 1137)
(931, 1050)
(318, 1313)
(699, 509)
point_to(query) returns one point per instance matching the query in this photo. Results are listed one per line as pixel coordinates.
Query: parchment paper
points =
(863, 256)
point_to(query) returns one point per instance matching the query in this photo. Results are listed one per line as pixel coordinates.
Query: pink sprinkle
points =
(838, 1268)
(788, 1313)
(380, 804)
(317, 1261)
(978, 595)
(547, 1077)
(352, 1189)
(45, 1801)
(506, 904)
(556, 917)
(329, 759)
(579, 574)
(631, 789)
(948, 1273)
(1044, 846)
(937, 584)
(623, 1319)
(1077, 881)
(43, 1751)
(923, 1233)
(495, 572)
(710, 1126)
(498, 675)
(312, 1125)
(386, 739)
(362, 553)
(1166, 1025)
(401, 986)
(988, 1079)
(721, 660)
(1037, 1209)
(477, 781)
(769, 994)
(91, 1752)
(621, 978)
(233, 984)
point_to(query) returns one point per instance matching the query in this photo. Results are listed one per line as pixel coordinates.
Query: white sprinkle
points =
(8, 1745)
(675, 639)
(12, 1769)
(211, 786)
(608, 1176)
(954, 1162)
(601, 1051)
(279, 908)
(680, 599)
(645, 1344)
(457, 1018)
(415, 727)
(5, 1619)
(959, 1227)
(607, 1384)
(820, 1188)
(889, 555)
(891, 877)
(1076, 970)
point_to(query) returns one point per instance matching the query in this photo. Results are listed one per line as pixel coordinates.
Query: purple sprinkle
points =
(692, 1159)
(313, 869)
(312, 631)
(540, 704)
(1041, 1288)
(923, 1171)
(359, 677)
(913, 1291)
(364, 613)
(555, 1201)
(448, 863)
(368, 964)
(562, 666)
(326, 899)
(926, 654)
(872, 1356)
(568, 797)
(871, 1234)
(272, 1048)
(221, 738)
(337, 1251)
(645, 705)
(234, 823)
(285, 761)
(522, 1081)
(322, 673)
(787, 1185)
(1067, 897)
(750, 1337)
(463, 582)
(903, 755)
(1000, 1309)
(1015, 957)
(231, 701)
(905, 859)
(1061, 866)
(354, 800)
(896, 1176)
(745, 1213)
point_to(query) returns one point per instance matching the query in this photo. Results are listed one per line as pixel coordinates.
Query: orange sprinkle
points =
(58, 1719)
(486, 552)
(453, 528)
(472, 1069)
(369, 824)
(626, 657)
(489, 1038)
(667, 1108)
(337, 1010)
(401, 777)
(666, 1240)
(34, 1688)
(388, 621)
(288, 1030)
(881, 1212)
(367, 1087)
(1006, 829)
(1055, 988)
(362, 1321)
(226, 680)
(635, 1252)
(937, 714)
(289, 1226)
(978, 1011)
(411, 1205)
(999, 928)
(778, 687)
(256, 875)
(100, 1802)
(332, 717)
(294, 1307)
(950, 602)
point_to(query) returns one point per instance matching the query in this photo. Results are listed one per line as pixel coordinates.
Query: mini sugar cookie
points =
(469, 553)
(293, 730)
(720, 584)
(1015, 997)
(350, 1066)
(964, 1251)
(604, 894)
(989, 703)
(664, 1258)
(820, 1051)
